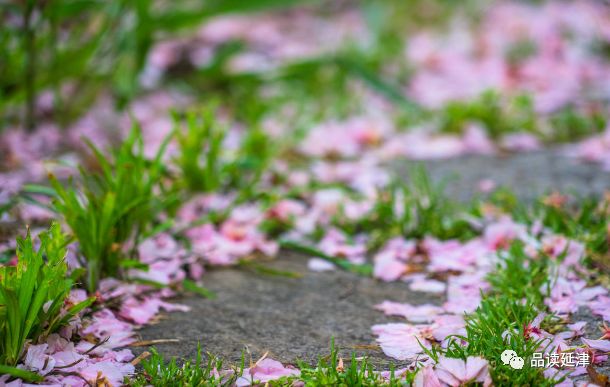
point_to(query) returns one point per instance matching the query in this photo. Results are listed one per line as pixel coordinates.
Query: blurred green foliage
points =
(496, 115)
(206, 164)
(58, 56)
(71, 50)
(413, 209)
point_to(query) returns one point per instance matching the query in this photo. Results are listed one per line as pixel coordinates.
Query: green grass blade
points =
(21, 374)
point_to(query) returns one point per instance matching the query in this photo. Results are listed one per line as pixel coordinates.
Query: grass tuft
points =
(33, 295)
(110, 207)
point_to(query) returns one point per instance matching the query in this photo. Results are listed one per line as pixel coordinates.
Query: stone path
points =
(296, 318)
(528, 174)
(292, 318)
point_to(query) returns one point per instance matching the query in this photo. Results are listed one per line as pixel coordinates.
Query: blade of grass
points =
(21, 374)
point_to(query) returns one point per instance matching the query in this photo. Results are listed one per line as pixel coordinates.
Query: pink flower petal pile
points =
(404, 341)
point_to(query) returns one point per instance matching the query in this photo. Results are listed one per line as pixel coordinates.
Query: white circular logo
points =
(517, 362)
(507, 355)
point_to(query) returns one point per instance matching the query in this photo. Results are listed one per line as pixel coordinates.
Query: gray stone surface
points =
(592, 331)
(529, 174)
(292, 318)
(295, 318)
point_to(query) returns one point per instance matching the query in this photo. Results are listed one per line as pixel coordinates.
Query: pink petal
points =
(389, 270)
(448, 325)
(420, 313)
(601, 345)
(476, 367)
(268, 369)
(113, 372)
(426, 378)
(430, 286)
(451, 371)
(400, 341)
(37, 360)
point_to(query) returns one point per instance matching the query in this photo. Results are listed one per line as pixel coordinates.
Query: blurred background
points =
(471, 75)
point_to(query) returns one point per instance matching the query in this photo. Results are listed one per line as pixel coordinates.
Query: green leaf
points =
(21, 374)
(133, 264)
(182, 18)
(39, 190)
(74, 310)
(35, 306)
(12, 336)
